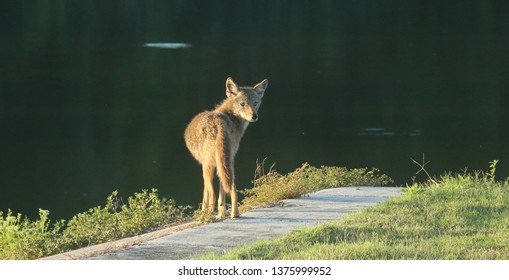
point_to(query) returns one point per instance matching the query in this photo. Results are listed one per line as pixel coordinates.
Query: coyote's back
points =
(213, 138)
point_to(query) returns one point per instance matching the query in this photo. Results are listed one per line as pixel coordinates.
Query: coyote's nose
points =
(254, 117)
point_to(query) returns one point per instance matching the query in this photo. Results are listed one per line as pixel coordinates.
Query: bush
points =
(21, 238)
(144, 212)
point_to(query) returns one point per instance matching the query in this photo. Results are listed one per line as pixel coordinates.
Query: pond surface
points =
(95, 95)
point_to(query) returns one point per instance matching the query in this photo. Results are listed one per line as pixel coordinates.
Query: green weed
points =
(204, 217)
(493, 169)
(271, 187)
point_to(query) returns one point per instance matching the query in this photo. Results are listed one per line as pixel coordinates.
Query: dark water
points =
(87, 107)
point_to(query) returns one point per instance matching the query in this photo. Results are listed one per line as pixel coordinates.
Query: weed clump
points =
(271, 187)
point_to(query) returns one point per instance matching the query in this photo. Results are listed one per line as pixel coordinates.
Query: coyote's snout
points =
(213, 138)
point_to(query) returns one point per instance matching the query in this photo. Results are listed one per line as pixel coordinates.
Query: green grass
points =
(457, 216)
(21, 238)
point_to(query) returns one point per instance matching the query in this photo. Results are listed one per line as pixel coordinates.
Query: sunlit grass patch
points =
(456, 216)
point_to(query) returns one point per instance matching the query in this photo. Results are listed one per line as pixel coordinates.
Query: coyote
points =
(213, 138)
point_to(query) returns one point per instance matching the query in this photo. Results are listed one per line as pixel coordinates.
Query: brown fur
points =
(213, 138)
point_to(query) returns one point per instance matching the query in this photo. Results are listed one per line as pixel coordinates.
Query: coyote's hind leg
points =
(208, 188)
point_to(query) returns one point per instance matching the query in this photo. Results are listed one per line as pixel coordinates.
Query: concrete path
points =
(266, 223)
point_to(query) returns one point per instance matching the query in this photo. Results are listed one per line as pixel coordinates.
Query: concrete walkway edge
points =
(104, 248)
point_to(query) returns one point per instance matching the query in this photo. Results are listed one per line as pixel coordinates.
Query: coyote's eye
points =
(242, 104)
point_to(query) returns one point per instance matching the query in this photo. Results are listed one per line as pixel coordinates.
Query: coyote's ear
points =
(260, 87)
(231, 87)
